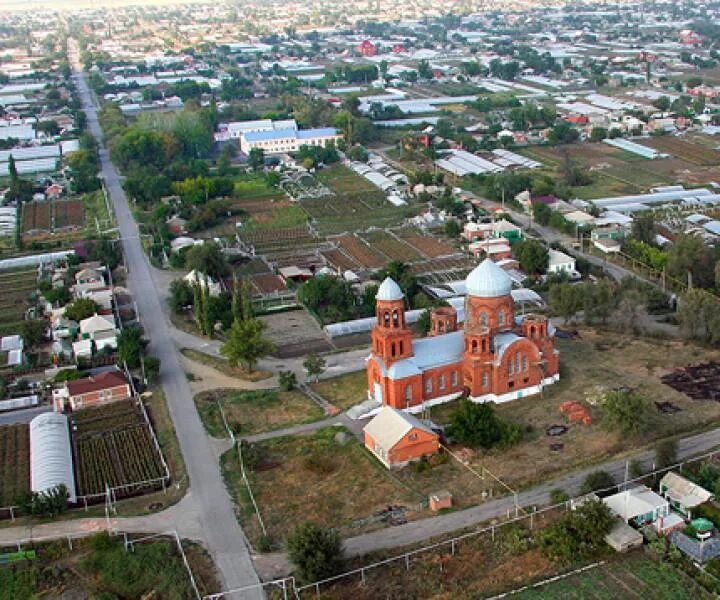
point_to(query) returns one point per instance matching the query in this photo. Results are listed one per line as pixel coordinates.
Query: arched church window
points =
(474, 346)
(501, 317)
(392, 349)
(401, 347)
(511, 366)
(454, 379)
(428, 386)
(483, 319)
(408, 393)
(386, 319)
(525, 363)
(485, 380)
(518, 362)
(396, 320)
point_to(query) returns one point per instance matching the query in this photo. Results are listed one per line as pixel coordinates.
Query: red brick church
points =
(495, 357)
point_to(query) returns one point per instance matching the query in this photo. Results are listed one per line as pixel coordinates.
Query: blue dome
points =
(389, 291)
(487, 280)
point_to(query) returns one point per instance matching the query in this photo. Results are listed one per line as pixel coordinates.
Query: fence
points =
(238, 446)
(128, 543)
(529, 516)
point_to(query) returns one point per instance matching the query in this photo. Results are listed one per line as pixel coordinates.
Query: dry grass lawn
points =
(255, 411)
(344, 391)
(315, 478)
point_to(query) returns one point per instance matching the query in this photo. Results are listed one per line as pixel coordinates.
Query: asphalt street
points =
(223, 536)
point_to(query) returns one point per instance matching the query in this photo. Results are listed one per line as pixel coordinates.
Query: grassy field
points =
(222, 365)
(100, 567)
(344, 391)
(249, 412)
(315, 478)
(635, 576)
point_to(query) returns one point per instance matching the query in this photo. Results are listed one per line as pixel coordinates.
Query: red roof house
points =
(367, 48)
(110, 386)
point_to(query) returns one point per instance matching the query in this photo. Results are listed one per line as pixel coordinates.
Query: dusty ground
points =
(204, 377)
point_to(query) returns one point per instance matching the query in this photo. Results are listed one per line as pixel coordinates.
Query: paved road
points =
(23, 416)
(221, 532)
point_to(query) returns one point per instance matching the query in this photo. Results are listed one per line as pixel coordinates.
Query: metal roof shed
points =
(50, 455)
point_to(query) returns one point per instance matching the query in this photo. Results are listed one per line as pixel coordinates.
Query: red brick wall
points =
(406, 450)
(119, 392)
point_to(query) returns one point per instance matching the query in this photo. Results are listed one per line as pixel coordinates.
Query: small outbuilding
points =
(397, 438)
(683, 494)
(641, 506)
(622, 537)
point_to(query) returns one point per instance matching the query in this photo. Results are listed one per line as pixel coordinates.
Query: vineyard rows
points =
(15, 460)
(113, 446)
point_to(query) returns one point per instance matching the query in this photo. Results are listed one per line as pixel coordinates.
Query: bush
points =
(476, 425)
(625, 412)
(558, 496)
(315, 552)
(598, 480)
(287, 381)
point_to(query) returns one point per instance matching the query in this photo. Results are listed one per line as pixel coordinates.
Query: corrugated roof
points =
(390, 425)
(99, 382)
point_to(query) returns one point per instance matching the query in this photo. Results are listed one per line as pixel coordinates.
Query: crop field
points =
(268, 283)
(44, 217)
(265, 241)
(426, 245)
(340, 260)
(14, 461)
(636, 576)
(361, 252)
(684, 149)
(391, 246)
(112, 445)
(16, 286)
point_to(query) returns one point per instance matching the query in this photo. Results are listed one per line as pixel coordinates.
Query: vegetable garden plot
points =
(113, 445)
(699, 382)
(14, 462)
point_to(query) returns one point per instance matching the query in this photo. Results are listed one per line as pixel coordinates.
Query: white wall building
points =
(280, 141)
(559, 262)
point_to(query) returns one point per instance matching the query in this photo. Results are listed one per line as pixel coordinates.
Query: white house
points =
(280, 141)
(559, 262)
(641, 506)
(196, 278)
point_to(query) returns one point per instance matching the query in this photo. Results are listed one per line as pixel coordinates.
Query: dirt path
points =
(206, 378)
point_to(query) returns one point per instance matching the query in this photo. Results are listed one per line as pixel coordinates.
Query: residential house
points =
(641, 506)
(397, 438)
(559, 262)
(98, 331)
(11, 347)
(683, 494)
(110, 386)
(196, 278)
(367, 48)
(495, 229)
(494, 248)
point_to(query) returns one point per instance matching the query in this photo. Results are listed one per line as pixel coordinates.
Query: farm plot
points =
(426, 245)
(36, 217)
(339, 260)
(699, 382)
(67, 214)
(361, 252)
(14, 461)
(392, 247)
(112, 445)
(265, 241)
(636, 576)
(16, 286)
(268, 283)
(684, 149)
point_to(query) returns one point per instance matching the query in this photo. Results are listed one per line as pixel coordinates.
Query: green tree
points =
(33, 331)
(452, 228)
(12, 169)
(256, 158)
(624, 412)
(598, 481)
(130, 346)
(478, 426)
(80, 309)
(207, 259)
(152, 368)
(314, 365)
(598, 301)
(532, 255)
(666, 454)
(287, 380)
(643, 227)
(541, 213)
(598, 134)
(579, 534)
(691, 257)
(245, 344)
(565, 300)
(181, 295)
(401, 274)
(317, 553)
